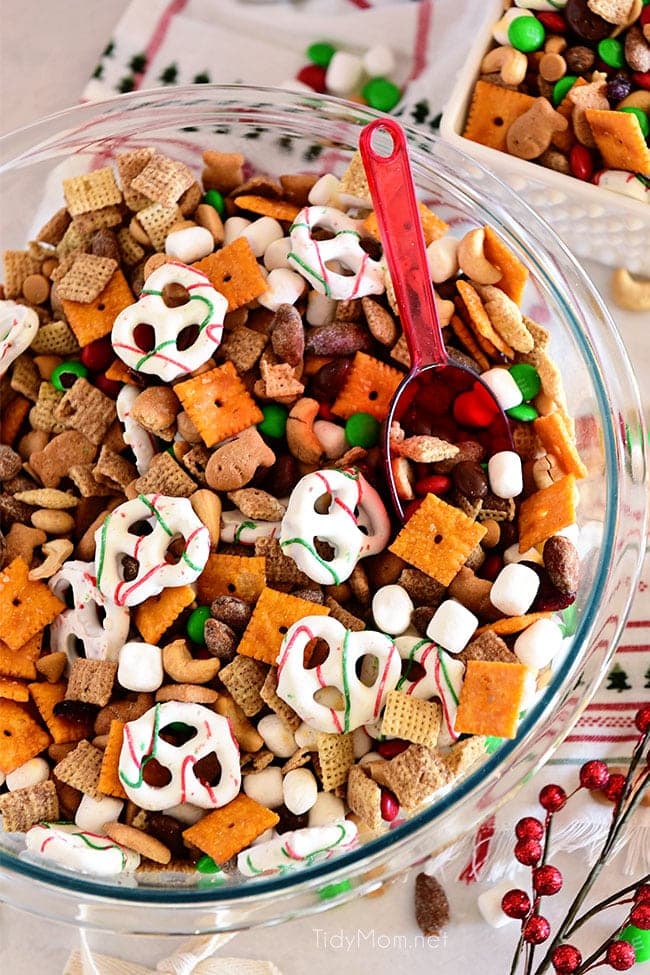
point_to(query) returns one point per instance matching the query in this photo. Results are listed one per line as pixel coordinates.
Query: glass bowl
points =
(280, 132)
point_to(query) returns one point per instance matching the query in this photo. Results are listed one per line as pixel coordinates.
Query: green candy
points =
(382, 94)
(76, 369)
(214, 199)
(321, 53)
(524, 412)
(640, 941)
(642, 116)
(196, 624)
(561, 87)
(207, 865)
(275, 420)
(610, 50)
(526, 34)
(527, 379)
(333, 890)
(362, 430)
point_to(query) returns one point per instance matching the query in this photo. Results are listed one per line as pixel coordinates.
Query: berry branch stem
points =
(602, 905)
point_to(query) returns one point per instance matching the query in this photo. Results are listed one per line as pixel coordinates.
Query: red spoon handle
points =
(395, 203)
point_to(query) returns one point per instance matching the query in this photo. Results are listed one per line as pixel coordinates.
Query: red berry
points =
(642, 79)
(434, 484)
(515, 903)
(642, 719)
(389, 806)
(98, 355)
(529, 828)
(108, 386)
(594, 775)
(552, 798)
(642, 895)
(325, 412)
(566, 959)
(620, 955)
(392, 747)
(528, 852)
(644, 19)
(313, 76)
(640, 916)
(613, 790)
(552, 21)
(581, 162)
(536, 929)
(547, 880)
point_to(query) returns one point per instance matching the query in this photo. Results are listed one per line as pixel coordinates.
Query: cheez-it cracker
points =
(491, 698)
(26, 606)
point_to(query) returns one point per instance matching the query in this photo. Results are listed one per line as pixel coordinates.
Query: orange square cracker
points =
(235, 273)
(21, 738)
(369, 388)
(45, 697)
(21, 662)
(155, 615)
(13, 414)
(620, 140)
(13, 690)
(232, 575)
(547, 512)
(491, 698)
(512, 624)
(278, 209)
(514, 274)
(274, 613)
(437, 539)
(432, 226)
(554, 435)
(94, 320)
(26, 605)
(223, 833)
(218, 404)
(492, 112)
(109, 780)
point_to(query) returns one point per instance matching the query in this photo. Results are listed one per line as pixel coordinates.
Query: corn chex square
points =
(411, 719)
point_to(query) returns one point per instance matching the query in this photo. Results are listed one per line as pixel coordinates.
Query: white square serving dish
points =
(595, 223)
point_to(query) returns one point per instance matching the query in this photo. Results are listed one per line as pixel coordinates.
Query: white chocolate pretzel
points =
(139, 440)
(205, 309)
(363, 700)
(314, 258)
(78, 849)
(124, 533)
(18, 326)
(297, 848)
(353, 503)
(439, 675)
(237, 528)
(143, 741)
(102, 639)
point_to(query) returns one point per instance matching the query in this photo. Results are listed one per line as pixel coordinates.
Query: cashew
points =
(638, 99)
(249, 739)
(511, 64)
(53, 522)
(207, 507)
(301, 439)
(184, 668)
(442, 258)
(57, 552)
(472, 260)
(445, 309)
(630, 293)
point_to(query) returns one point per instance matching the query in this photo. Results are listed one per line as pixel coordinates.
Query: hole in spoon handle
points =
(393, 196)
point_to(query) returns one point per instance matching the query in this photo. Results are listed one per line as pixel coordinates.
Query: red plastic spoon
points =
(439, 395)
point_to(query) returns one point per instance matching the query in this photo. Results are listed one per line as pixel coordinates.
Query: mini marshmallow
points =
(379, 61)
(234, 228)
(320, 309)
(538, 644)
(512, 554)
(140, 667)
(261, 233)
(29, 773)
(541, 4)
(344, 73)
(361, 742)
(489, 904)
(328, 808)
(514, 589)
(305, 736)
(277, 736)
(332, 437)
(283, 287)
(93, 811)
(505, 474)
(300, 790)
(185, 812)
(392, 607)
(500, 29)
(452, 626)
(265, 786)
(189, 244)
(323, 190)
(505, 390)
(276, 252)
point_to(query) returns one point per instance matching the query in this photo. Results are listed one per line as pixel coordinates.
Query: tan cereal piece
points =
(413, 775)
(139, 841)
(224, 170)
(223, 833)
(22, 540)
(53, 230)
(129, 165)
(87, 484)
(464, 754)
(163, 180)
(478, 319)
(91, 681)
(613, 11)
(165, 476)
(114, 470)
(18, 265)
(181, 666)
(25, 378)
(281, 571)
(278, 382)
(505, 317)
(23, 808)
(87, 409)
(425, 450)
(244, 679)
(336, 758)
(157, 221)
(364, 797)
(246, 733)
(41, 415)
(487, 646)
(55, 338)
(188, 693)
(280, 707)
(86, 279)
(243, 347)
(411, 718)
(257, 504)
(338, 612)
(354, 183)
(80, 768)
(91, 191)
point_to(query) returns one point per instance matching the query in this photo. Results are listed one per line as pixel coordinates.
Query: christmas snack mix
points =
(220, 651)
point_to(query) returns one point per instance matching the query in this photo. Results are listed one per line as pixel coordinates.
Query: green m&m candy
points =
(333, 890)
(362, 430)
(610, 49)
(526, 34)
(207, 865)
(216, 200)
(640, 941)
(525, 413)
(275, 420)
(561, 87)
(382, 94)
(65, 375)
(527, 379)
(321, 53)
(642, 116)
(196, 624)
